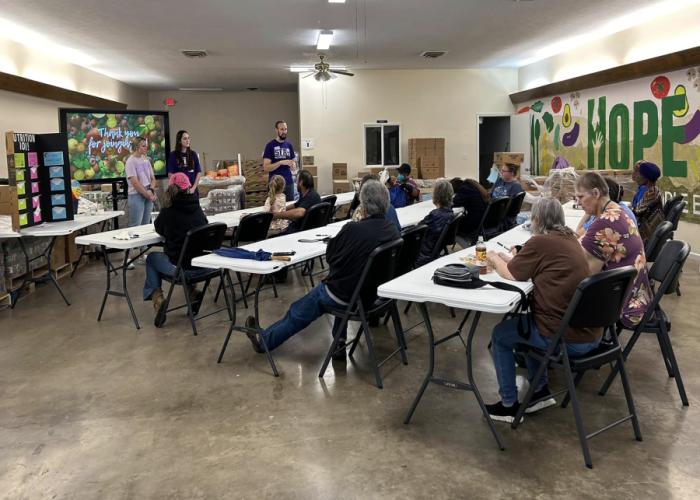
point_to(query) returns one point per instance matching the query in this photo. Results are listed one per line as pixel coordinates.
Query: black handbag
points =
(467, 276)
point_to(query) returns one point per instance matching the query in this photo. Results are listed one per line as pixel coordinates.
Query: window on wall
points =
(382, 144)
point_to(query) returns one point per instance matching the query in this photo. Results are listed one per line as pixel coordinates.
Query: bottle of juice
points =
(481, 251)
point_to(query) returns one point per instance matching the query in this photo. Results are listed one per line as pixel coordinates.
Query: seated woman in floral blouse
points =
(613, 241)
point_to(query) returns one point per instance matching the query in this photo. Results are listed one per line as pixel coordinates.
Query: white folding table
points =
(53, 230)
(417, 286)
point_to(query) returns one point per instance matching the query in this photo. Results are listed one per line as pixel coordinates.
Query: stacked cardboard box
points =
(307, 161)
(255, 183)
(427, 157)
(8, 205)
(312, 169)
(341, 184)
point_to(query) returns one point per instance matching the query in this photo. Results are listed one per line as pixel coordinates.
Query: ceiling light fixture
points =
(201, 89)
(325, 37)
(336, 1)
(303, 69)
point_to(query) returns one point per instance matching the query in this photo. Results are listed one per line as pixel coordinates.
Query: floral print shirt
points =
(614, 238)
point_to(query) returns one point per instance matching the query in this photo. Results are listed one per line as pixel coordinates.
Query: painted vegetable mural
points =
(611, 127)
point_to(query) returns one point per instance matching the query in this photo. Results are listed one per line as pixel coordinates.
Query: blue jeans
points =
(157, 265)
(139, 210)
(301, 314)
(504, 338)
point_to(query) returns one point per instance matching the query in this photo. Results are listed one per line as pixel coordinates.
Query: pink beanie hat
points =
(180, 180)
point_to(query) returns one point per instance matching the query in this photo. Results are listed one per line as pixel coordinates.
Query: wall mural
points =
(611, 127)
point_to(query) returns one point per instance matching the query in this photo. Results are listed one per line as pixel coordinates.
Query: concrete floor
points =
(100, 410)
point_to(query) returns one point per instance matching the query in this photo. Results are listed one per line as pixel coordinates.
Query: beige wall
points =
(223, 124)
(22, 113)
(661, 35)
(427, 103)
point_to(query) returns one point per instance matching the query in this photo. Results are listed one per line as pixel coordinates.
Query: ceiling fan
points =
(322, 71)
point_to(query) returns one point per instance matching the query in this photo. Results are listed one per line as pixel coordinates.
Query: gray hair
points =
(547, 217)
(374, 198)
(442, 193)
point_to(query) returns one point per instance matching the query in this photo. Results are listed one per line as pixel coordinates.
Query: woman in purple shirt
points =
(184, 159)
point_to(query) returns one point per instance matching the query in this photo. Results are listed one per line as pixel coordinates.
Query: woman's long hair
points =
(482, 191)
(275, 187)
(171, 193)
(178, 149)
(547, 217)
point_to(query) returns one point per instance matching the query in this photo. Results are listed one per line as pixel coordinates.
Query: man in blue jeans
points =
(346, 255)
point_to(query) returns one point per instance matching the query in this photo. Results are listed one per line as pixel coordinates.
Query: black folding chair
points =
(663, 275)
(515, 203)
(448, 236)
(491, 222)
(252, 228)
(197, 242)
(597, 303)
(315, 217)
(412, 241)
(380, 268)
(331, 199)
(671, 203)
(674, 215)
(658, 238)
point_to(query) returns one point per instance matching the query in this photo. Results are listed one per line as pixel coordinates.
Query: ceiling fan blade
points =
(341, 72)
(308, 74)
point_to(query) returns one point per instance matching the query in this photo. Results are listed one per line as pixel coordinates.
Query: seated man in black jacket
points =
(346, 254)
(180, 213)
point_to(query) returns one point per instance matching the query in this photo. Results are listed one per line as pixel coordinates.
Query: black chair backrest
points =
(674, 215)
(332, 199)
(380, 268)
(661, 235)
(516, 203)
(200, 240)
(671, 203)
(668, 265)
(316, 216)
(494, 215)
(447, 235)
(598, 299)
(412, 241)
(253, 227)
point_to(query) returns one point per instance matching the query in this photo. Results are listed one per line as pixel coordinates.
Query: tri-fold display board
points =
(39, 179)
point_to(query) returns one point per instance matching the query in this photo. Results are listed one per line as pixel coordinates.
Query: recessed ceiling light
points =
(202, 89)
(325, 37)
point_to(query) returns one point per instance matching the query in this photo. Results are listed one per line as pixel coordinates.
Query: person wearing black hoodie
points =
(180, 213)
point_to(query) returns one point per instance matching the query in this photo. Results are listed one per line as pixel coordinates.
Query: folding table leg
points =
(125, 266)
(105, 257)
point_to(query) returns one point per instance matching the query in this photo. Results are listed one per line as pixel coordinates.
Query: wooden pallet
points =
(62, 271)
(14, 281)
(40, 271)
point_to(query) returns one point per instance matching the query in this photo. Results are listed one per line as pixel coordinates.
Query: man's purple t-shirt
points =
(276, 151)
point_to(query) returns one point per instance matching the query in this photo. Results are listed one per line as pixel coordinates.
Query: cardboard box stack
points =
(8, 205)
(307, 163)
(255, 183)
(341, 184)
(427, 157)
(515, 158)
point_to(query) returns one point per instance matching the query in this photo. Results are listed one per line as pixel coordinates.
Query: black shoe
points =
(252, 334)
(546, 397)
(340, 354)
(503, 413)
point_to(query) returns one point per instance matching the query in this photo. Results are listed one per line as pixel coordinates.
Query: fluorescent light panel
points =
(325, 37)
(336, 1)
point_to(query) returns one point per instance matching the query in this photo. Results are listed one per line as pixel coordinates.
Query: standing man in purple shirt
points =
(278, 159)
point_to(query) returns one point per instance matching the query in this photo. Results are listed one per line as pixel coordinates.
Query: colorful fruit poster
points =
(611, 127)
(100, 143)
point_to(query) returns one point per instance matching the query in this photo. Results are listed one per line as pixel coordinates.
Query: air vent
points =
(433, 54)
(194, 54)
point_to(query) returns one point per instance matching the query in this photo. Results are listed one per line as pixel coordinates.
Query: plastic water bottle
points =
(481, 251)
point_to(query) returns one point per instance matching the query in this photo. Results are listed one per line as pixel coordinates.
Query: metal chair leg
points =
(663, 336)
(630, 401)
(577, 412)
